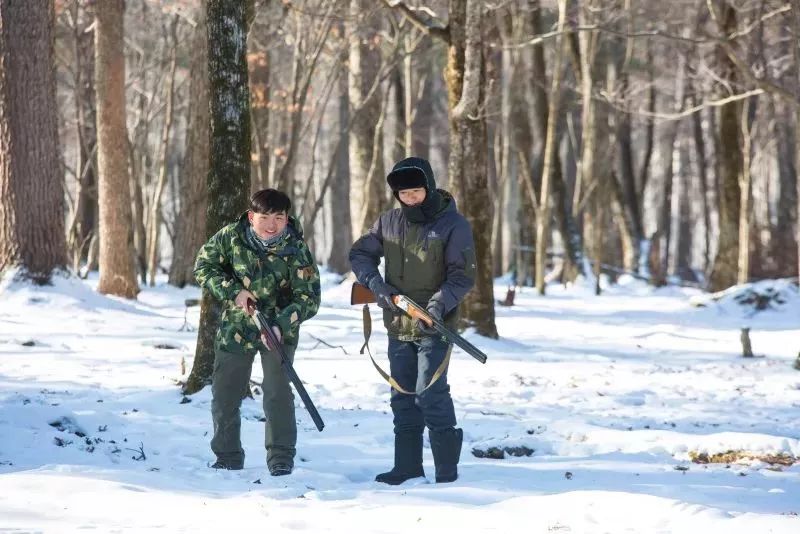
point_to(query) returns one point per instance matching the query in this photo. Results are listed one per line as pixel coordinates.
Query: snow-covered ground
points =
(613, 394)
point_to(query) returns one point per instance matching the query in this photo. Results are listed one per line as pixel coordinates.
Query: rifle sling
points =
(386, 376)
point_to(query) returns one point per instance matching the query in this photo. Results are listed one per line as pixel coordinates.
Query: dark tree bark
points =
(31, 189)
(190, 225)
(229, 169)
(467, 167)
(342, 232)
(117, 273)
(83, 226)
(724, 272)
(367, 186)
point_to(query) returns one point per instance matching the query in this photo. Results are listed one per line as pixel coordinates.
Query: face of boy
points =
(268, 225)
(411, 197)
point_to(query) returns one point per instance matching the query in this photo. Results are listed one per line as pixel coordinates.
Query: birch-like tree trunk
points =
(543, 221)
(745, 196)
(117, 273)
(155, 215)
(31, 188)
(229, 171)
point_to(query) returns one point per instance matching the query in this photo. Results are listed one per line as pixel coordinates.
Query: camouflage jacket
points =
(284, 279)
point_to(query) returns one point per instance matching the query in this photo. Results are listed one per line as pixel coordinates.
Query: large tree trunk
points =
(229, 171)
(341, 230)
(724, 273)
(190, 225)
(467, 165)
(31, 189)
(366, 180)
(117, 273)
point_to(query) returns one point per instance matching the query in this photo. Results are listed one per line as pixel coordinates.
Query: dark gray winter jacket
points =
(434, 259)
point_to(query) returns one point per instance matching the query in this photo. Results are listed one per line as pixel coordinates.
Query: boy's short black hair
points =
(270, 201)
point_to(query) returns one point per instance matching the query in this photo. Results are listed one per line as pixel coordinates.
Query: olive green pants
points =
(229, 383)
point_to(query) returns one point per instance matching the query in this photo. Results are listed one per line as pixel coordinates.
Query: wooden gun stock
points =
(360, 294)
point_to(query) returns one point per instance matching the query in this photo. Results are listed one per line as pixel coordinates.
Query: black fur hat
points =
(410, 173)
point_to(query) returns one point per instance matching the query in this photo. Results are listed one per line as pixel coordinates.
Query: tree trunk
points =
(155, 215)
(342, 233)
(467, 166)
(366, 185)
(724, 272)
(83, 226)
(796, 57)
(117, 273)
(424, 109)
(229, 169)
(705, 186)
(683, 254)
(565, 222)
(784, 244)
(31, 188)
(550, 148)
(745, 196)
(190, 225)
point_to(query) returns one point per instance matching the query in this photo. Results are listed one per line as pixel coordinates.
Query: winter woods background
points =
(579, 137)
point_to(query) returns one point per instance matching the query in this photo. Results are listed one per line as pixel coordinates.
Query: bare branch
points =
(699, 107)
(423, 18)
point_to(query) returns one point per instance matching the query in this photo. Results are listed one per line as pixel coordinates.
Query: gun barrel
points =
(287, 366)
(414, 310)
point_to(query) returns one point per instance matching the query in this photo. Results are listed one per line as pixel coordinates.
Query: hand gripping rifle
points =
(274, 344)
(361, 294)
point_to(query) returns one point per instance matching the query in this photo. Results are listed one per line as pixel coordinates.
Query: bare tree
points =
(543, 221)
(117, 274)
(154, 223)
(32, 210)
(190, 231)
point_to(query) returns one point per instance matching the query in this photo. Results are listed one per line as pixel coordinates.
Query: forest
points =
(580, 138)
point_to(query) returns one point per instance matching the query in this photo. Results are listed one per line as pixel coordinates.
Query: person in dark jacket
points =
(262, 257)
(429, 256)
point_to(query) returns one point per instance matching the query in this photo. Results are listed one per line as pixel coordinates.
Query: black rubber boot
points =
(446, 448)
(407, 459)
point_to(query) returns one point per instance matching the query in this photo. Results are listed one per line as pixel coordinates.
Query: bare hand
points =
(242, 298)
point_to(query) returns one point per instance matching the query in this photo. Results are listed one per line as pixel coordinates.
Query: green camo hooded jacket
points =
(284, 279)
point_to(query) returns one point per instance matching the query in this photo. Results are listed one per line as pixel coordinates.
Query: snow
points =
(612, 394)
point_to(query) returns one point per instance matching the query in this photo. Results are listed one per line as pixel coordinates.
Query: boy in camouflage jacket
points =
(261, 257)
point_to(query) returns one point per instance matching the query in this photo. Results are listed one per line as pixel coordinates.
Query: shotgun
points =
(360, 294)
(274, 344)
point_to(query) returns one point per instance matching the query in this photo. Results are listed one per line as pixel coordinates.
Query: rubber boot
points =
(446, 448)
(407, 459)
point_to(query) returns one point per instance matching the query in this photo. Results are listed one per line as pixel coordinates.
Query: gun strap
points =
(386, 376)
